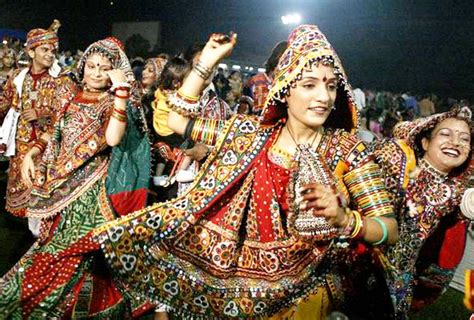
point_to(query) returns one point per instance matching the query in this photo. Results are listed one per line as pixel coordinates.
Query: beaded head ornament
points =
(307, 45)
(38, 37)
(158, 65)
(113, 49)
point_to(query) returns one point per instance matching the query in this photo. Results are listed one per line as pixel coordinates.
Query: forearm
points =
(177, 122)
(374, 232)
(118, 120)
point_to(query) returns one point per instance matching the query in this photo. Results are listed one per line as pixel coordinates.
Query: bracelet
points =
(384, 230)
(202, 71)
(125, 97)
(184, 103)
(347, 230)
(120, 86)
(40, 144)
(119, 115)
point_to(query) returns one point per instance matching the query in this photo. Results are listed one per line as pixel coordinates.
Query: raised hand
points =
(218, 47)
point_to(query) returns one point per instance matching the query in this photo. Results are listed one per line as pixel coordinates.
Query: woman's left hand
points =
(324, 202)
(117, 76)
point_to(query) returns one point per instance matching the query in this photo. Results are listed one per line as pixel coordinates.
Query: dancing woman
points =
(257, 231)
(61, 275)
(427, 165)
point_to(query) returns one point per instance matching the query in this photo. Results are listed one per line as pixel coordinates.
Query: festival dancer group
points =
(282, 208)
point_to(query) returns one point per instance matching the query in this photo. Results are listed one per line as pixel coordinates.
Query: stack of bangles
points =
(202, 71)
(40, 144)
(119, 114)
(355, 227)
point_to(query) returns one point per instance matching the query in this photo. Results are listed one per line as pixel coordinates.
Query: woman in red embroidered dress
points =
(61, 276)
(258, 231)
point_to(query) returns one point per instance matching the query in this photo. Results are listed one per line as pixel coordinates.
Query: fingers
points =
(316, 196)
(25, 175)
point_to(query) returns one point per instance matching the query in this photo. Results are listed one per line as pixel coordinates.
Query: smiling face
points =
(310, 102)
(449, 145)
(42, 56)
(95, 72)
(148, 75)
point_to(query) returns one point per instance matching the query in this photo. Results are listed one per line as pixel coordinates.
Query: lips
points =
(451, 152)
(318, 110)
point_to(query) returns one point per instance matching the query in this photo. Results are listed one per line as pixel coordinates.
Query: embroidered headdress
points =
(307, 45)
(38, 37)
(412, 131)
(158, 65)
(113, 49)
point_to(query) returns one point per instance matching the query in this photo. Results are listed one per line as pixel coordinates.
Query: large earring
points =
(333, 107)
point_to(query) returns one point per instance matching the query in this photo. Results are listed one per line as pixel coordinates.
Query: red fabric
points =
(129, 201)
(452, 248)
(105, 294)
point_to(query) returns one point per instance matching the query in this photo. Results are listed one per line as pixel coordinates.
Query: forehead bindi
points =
(319, 72)
(99, 61)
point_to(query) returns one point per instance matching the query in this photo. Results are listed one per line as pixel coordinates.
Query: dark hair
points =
(192, 50)
(174, 71)
(277, 51)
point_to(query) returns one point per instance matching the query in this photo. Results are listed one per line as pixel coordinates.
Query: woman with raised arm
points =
(258, 231)
(62, 275)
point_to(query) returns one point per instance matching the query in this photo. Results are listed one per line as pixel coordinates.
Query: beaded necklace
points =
(438, 175)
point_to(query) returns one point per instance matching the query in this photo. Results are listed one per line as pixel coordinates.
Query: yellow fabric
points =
(315, 307)
(411, 161)
(160, 113)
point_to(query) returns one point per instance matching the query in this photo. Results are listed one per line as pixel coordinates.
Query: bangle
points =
(125, 97)
(118, 115)
(359, 226)
(122, 112)
(202, 71)
(347, 230)
(40, 144)
(189, 128)
(384, 230)
(184, 104)
(120, 86)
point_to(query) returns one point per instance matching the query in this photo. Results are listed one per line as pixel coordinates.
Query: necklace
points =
(428, 167)
(300, 144)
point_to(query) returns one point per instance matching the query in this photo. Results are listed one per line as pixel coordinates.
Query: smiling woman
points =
(61, 275)
(258, 230)
(427, 170)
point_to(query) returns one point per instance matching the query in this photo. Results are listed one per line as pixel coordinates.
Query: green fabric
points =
(129, 168)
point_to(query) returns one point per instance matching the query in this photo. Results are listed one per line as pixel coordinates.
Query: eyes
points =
(464, 137)
(103, 68)
(331, 86)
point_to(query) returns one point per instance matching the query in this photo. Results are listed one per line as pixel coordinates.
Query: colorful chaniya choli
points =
(59, 276)
(38, 93)
(429, 222)
(223, 249)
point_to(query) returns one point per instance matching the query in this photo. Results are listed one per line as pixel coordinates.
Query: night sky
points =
(422, 46)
